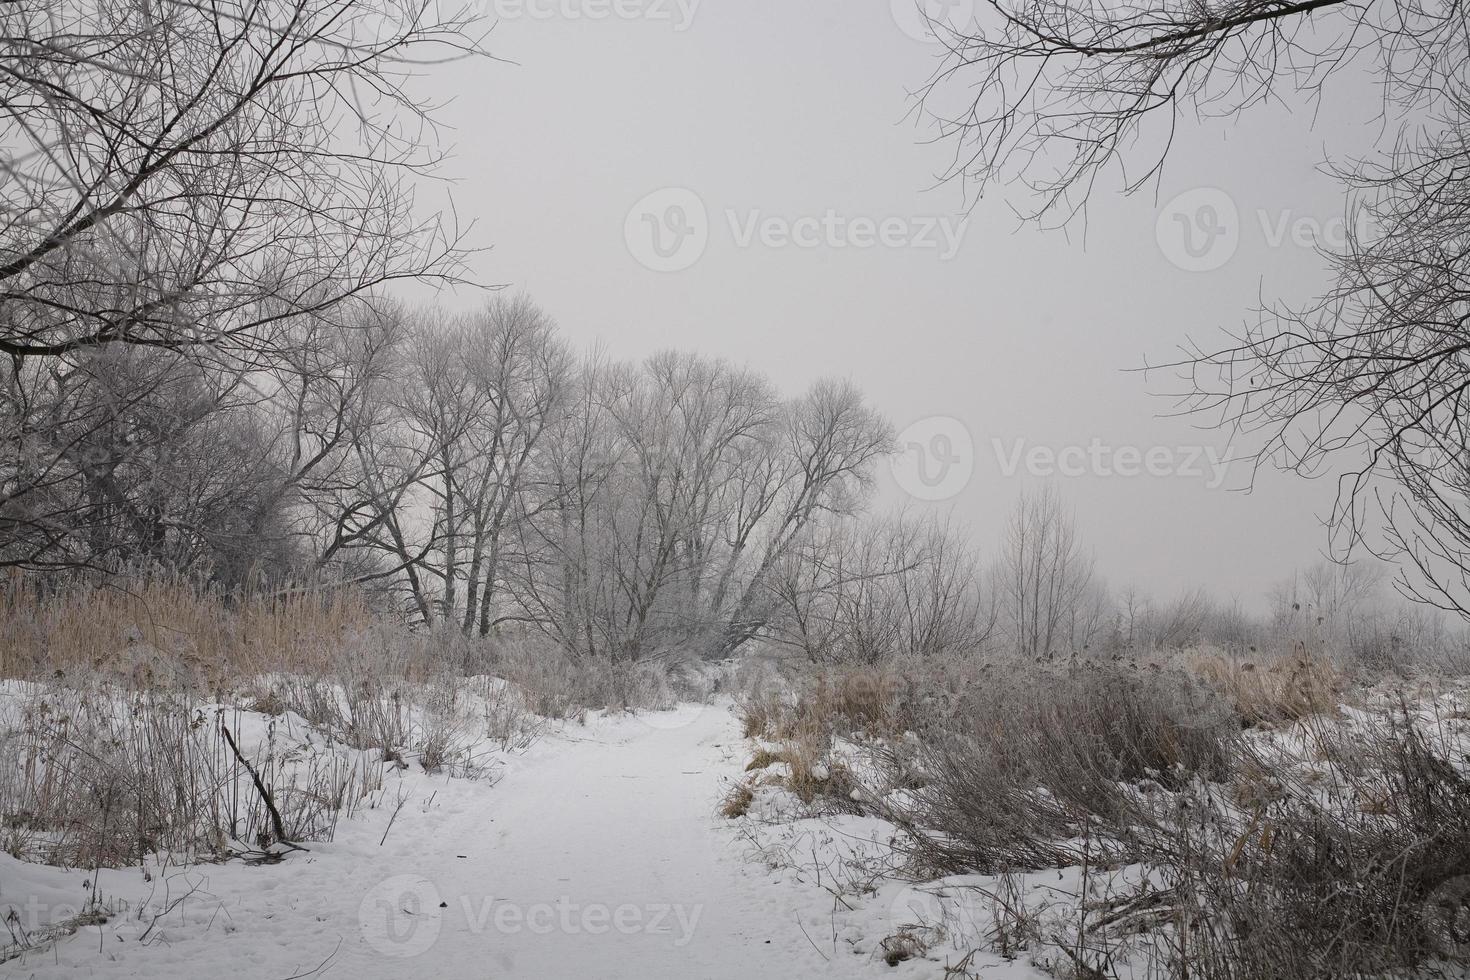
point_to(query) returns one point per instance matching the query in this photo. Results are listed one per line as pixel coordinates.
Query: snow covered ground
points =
(597, 853)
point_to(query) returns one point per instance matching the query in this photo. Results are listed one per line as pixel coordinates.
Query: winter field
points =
(578, 489)
(452, 809)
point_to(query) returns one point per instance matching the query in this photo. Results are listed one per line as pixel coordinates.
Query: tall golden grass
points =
(144, 667)
(1274, 690)
(133, 629)
(170, 634)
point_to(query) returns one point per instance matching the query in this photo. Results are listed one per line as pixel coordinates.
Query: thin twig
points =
(276, 823)
(809, 938)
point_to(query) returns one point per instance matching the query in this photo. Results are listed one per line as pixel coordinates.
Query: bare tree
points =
(827, 444)
(635, 550)
(1325, 603)
(446, 435)
(559, 576)
(328, 390)
(213, 185)
(1130, 629)
(1053, 92)
(1049, 600)
(865, 590)
(682, 484)
(1369, 382)
(145, 461)
(1181, 622)
(1336, 589)
(526, 373)
(945, 606)
(1366, 382)
(177, 173)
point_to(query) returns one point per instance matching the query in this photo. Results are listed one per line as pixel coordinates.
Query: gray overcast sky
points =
(767, 109)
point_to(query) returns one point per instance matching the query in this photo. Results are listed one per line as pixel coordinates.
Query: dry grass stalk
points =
(1274, 690)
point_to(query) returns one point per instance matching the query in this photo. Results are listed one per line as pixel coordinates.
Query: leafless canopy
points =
(1369, 382)
(1371, 376)
(1056, 91)
(177, 171)
(196, 200)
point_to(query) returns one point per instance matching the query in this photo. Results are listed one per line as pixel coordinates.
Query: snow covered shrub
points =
(362, 711)
(737, 801)
(874, 700)
(507, 718)
(1272, 690)
(95, 776)
(151, 633)
(1027, 761)
(101, 781)
(757, 714)
(437, 749)
(871, 700)
(437, 718)
(562, 686)
(808, 768)
(1358, 871)
(762, 694)
(1375, 645)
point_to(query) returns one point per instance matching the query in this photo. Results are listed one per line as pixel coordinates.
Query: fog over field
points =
(705, 489)
(774, 111)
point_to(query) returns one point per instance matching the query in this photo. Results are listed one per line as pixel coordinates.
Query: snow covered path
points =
(598, 855)
(606, 860)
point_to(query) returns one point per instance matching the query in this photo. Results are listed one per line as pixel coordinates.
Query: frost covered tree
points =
(1365, 382)
(680, 485)
(189, 182)
(1050, 599)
